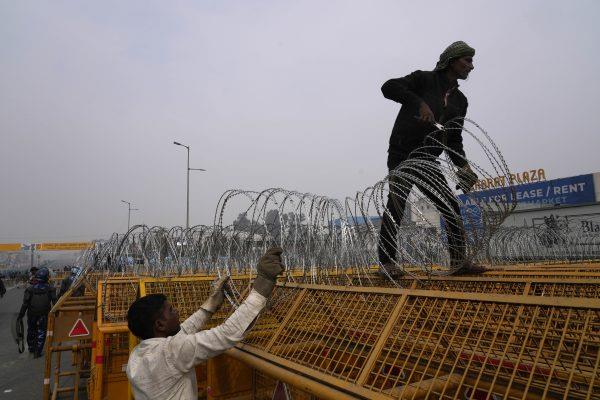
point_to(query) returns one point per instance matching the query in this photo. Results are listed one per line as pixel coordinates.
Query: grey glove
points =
(268, 268)
(216, 298)
(466, 178)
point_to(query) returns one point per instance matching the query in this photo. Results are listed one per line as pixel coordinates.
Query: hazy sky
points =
(267, 94)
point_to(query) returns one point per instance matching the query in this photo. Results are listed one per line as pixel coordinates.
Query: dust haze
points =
(267, 94)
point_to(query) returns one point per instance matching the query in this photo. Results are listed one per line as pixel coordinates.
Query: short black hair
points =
(142, 314)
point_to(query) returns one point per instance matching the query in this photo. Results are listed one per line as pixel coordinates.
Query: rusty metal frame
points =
(452, 332)
(112, 304)
(458, 333)
(69, 307)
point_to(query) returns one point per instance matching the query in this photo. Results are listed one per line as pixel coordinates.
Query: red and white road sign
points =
(79, 329)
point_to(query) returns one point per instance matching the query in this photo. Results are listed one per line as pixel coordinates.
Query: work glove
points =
(466, 178)
(217, 296)
(268, 268)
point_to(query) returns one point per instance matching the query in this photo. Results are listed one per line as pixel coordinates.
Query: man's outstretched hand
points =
(268, 268)
(466, 178)
(217, 296)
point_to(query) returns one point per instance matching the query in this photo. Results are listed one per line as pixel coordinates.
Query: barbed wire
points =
(322, 237)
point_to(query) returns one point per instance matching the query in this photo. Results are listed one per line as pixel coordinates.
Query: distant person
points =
(162, 365)
(429, 98)
(37, 302)
(67, 282)
(2, 288)
(32, 272)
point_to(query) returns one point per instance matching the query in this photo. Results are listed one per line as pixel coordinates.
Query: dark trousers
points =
(36, 333)
(441, 196)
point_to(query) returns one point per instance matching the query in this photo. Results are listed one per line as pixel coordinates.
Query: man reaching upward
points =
(162, 365)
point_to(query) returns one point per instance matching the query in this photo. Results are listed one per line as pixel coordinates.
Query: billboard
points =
(46, 246)
(537, 196)
(64, 246)
(10, 246)
(573, 190)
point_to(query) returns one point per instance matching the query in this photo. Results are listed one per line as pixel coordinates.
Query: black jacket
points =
(431, 87)
(38, 300)
(65, 284)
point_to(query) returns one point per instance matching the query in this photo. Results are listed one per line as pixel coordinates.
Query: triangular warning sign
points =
(79, 329)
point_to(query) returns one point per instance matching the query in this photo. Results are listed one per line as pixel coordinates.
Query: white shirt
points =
(163, 368)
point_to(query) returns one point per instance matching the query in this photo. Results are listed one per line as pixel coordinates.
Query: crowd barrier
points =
(515, 332)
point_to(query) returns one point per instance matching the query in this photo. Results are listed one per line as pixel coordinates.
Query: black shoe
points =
(38, 355)
(468, 268)
(392, 270)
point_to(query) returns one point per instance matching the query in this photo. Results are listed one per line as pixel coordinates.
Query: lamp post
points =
(129, 209)
(187, 206)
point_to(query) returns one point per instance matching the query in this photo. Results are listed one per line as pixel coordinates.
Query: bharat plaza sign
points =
(529, 176)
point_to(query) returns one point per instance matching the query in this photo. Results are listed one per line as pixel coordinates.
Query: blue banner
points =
(573, 190)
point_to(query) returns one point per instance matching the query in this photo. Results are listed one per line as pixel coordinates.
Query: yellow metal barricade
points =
(515, 332)
(110, 347)
(383, 343)
(69, 332)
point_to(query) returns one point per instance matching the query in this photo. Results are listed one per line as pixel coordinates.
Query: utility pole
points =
(129, 209)
(187, 204)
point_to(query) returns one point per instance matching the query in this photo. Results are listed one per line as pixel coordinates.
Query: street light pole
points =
(188, 169)
(187, 191)
(129, 209)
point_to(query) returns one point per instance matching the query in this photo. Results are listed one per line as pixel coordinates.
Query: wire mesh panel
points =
(92, 283)
(565, 289)
(501, 287)
(535, 274)
(236, 290)
(185, 295)
(268, 322)
(116, 354)
(345, 279)
(334, 332)
(188, 293)
(117, 296)
(497, 285)
(537, 286)
(446, 348)
(576, 267)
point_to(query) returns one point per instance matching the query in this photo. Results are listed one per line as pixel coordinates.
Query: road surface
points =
(21, 377)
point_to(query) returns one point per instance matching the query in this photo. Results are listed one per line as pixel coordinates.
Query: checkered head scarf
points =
(455, 50)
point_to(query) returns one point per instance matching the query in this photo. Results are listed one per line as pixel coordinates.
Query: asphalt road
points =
(21, 377)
